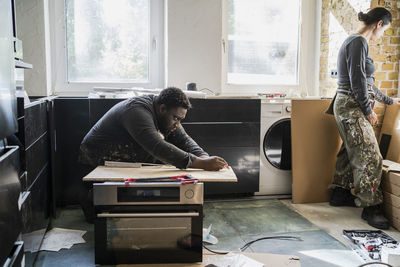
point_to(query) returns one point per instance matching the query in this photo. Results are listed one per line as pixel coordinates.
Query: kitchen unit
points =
(136, 222)
(35, 180)
(226, 127)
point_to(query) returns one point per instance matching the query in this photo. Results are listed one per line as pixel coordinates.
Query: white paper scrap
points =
(32, 240)
(233, 259)
(59, 238)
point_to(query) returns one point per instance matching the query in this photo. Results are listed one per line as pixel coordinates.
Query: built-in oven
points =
(148, 222)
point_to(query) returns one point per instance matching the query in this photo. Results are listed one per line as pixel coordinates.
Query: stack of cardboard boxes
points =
(391, 196)
(389, 141)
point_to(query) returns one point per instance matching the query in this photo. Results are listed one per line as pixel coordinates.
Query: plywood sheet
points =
(102, 174)
(315, 143)
(391, 126)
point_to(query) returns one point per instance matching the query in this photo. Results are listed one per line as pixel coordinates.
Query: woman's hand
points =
(372, 118)
(396, 101)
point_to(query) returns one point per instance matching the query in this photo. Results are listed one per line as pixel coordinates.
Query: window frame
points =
(308, 61)
(61, 86)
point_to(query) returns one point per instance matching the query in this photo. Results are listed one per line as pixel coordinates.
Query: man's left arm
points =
(181, 139)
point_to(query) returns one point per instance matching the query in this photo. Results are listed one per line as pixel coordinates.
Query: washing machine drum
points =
(277, 145)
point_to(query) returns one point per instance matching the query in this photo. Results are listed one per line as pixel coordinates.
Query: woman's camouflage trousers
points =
(359, 161)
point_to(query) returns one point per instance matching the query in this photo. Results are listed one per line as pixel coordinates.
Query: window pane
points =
(263, 41)
(107, 40)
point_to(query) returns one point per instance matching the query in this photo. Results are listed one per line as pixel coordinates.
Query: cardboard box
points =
(315, 144)
(391, 204)
(391, 197)
(391, 127)
(391, 182)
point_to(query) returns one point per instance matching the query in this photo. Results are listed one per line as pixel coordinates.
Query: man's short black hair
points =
(173, 97)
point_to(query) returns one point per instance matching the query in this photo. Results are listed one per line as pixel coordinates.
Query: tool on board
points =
(184, 179)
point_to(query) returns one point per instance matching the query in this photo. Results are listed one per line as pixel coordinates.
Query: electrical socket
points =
(334, 73)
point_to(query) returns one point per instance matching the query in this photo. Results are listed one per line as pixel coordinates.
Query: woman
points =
(359, 163)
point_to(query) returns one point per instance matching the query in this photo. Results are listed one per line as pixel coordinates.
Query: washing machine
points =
(275, 148)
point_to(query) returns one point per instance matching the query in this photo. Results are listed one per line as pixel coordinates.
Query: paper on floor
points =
(32, 240)
(233, 259)
(59, 238)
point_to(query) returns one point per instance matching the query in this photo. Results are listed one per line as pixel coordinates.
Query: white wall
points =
(193, 45)
(31, 30)
(194, 31)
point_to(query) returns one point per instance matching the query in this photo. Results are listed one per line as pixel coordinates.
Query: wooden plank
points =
(102, 174)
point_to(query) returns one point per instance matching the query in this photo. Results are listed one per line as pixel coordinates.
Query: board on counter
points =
(112, 174)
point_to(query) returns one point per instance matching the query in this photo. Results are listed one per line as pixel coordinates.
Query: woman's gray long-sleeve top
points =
(356, 68)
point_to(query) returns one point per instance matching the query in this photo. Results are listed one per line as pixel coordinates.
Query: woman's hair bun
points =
(362, 16)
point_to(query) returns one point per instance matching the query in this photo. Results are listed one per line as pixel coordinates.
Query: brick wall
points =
(339, 19)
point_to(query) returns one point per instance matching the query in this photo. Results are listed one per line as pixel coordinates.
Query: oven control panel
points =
(160, 193)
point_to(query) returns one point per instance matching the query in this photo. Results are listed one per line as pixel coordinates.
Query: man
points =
(145, 129)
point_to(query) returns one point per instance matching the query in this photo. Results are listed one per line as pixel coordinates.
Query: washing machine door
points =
(277, 145)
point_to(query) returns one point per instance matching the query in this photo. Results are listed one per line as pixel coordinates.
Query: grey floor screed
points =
(234, 223)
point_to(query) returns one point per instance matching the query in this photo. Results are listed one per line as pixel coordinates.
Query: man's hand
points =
(396, 101)
(213, 163)
(372, 118)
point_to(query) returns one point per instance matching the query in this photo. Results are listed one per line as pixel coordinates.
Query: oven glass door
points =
(148, 237)
(147, 233)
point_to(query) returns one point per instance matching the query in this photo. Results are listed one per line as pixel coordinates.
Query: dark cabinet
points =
(35, 176)
(229, 128)
(73, 118)
(10, 216)
(35, 214)
(71, 123)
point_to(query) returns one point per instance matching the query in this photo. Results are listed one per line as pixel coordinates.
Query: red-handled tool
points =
(184, 179)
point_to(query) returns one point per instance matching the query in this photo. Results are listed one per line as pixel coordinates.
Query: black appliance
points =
(8, 101)
(11, 252)
(148, 222)
(10, 215)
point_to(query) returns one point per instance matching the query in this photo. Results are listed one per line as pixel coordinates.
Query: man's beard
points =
(163, 125)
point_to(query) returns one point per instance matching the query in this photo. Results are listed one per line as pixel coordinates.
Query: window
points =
(108, 43)
(262, 45)
(263, 38)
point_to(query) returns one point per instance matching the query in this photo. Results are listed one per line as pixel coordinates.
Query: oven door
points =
(151, 234)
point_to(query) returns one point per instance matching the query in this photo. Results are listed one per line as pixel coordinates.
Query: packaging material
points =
(391, 165)
(233, 259)
(391, 256)
(370, 243)
(391, 195)
(391, 128)
(392, 209)
(209, 238)
(315, 144)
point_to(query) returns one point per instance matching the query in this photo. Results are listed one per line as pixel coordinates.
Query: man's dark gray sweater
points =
(129, 132)
(356, 68)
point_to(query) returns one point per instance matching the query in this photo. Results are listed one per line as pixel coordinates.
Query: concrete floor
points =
(236, 222)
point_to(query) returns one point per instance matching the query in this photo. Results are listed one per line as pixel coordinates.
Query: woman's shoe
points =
(342, 197)
(374, 216)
